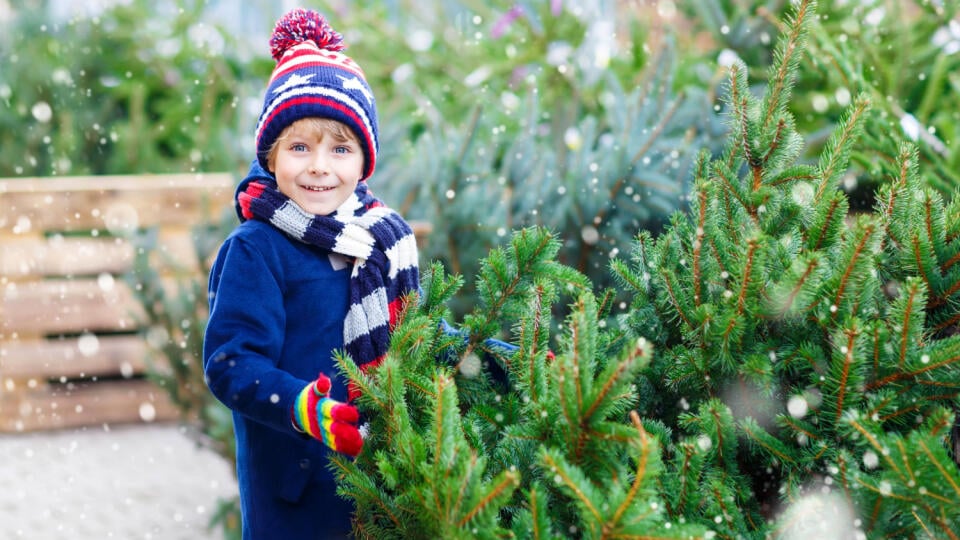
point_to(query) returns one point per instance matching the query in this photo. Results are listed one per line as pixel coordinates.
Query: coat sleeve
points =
(245, 337)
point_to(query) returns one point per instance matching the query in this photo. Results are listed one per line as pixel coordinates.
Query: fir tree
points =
(803, 351)
(543, 452)
(782, 362)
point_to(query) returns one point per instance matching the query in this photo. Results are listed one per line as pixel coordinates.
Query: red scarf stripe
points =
(394, 308)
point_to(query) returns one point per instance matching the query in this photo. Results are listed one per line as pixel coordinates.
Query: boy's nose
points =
(319, 165)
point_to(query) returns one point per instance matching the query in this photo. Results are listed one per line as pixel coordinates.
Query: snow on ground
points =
(129, 482)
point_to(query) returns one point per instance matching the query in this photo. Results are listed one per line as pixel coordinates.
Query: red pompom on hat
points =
(314, 79)
(301, 25)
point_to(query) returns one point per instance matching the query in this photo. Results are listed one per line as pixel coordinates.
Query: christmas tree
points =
(805, 354)
(504, 443)
(784, 368)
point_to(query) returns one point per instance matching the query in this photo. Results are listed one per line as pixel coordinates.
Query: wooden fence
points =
(71, 349)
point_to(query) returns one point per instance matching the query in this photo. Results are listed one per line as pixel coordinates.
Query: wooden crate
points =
(70, 351)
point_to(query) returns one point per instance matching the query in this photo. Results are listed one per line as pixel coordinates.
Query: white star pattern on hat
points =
(354, 83)
(294, 80)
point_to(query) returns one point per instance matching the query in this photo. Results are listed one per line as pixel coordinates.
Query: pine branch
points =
(575, 371)
(786, 60)
(752, 246)
(738, 99)
(443, 431)
(684, 472)
(532, 374)
(773, 147)
(505, 484)
(950, 262)
(836, 156)
(783, 304)
(920, 259)
(622, 372)
(913, 374)
(856, 257)
(671, 292)
(828, 220)
(726, 175)
(368, 492)
(858, 426)
(797, 428)
(643, 443)
(848, 351)
(914, 297)
(536, 510)
(895, 195)
(797, 173)
(764, 440)
(553, 463)
(628, 278)
(698, 243)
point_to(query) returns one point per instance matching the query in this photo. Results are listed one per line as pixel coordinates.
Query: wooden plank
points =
(92, 356)
(118, 204)
(83, 404)
(65, 242)
(36, 256)
(176, 251)
(68, 306)
(64, 256)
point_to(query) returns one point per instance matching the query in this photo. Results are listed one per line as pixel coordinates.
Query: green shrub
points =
(140, 87)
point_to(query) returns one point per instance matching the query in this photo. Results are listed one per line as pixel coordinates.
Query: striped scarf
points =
(380, 243)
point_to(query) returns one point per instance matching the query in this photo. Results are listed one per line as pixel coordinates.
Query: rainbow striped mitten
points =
(327, 420)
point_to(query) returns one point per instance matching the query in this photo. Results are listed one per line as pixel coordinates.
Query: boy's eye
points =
(298, 147)
(342, 150)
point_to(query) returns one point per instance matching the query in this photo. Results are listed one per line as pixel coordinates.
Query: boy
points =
(317, 265)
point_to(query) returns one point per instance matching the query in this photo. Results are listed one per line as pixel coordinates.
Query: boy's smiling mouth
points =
(318, 189)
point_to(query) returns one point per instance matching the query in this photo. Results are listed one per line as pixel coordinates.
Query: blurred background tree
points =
(554, 114)
(141, 87)
(902, 54)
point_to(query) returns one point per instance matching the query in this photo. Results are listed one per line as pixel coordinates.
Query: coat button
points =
(305, 464)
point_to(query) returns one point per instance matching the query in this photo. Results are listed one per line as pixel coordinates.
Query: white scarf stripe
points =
(372, 312)
(354, 241)
(346, 211)
(291, 218)
(402, 255)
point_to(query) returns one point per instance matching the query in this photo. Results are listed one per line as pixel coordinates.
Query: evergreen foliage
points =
(541, 452)
(110, 94)
(785, 368)
(798, 343)
(905, 69)
(603, 178)
(900, 54)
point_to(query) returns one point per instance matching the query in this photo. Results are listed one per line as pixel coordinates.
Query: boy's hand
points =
(327, 420)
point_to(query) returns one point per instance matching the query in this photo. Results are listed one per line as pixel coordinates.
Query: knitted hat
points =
(313, 78)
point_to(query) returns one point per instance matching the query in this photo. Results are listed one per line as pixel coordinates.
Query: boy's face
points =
(315, 167)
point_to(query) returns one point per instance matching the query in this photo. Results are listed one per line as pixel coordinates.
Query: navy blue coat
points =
(276, 314)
